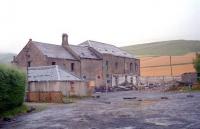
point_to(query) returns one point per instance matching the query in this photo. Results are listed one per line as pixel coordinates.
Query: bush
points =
(12, 88)
(197, 65)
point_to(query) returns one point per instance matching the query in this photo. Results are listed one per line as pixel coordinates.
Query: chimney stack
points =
(65, 40)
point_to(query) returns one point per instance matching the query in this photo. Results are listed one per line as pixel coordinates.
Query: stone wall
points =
(92, 70)
(66, 64)
(118, 65)
(31, 54)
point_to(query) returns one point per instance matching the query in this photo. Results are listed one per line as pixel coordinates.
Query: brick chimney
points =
(65, 40)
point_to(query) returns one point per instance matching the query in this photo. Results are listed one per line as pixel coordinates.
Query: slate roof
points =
(50, 73)
(57, 51)
(53, 51)
(83, 52)
(104, 48)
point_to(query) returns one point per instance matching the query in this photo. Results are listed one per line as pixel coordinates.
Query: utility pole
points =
(170, 61)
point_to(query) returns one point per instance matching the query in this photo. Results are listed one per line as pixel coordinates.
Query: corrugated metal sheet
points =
(50, 73)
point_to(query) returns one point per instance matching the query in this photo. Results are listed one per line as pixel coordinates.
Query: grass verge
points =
(13, 112)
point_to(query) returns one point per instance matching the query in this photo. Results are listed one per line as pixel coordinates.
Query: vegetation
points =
(197, 65)
(6, 58)
(173, 47)
(12, 89)
(12, 112)
(183, 88)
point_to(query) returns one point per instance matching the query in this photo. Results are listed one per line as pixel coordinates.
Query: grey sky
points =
(119, 22)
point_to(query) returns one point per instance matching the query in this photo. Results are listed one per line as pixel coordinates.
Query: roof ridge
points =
(45, 43)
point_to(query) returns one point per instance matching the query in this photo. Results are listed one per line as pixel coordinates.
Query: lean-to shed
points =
(52, 83)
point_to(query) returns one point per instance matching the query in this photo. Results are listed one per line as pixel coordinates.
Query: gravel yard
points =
(140, 110)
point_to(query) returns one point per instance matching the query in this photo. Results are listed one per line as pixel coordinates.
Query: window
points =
(107, 75)
(72, 66)
(136, 67)
(53, 63)
(29, 64)
(84, 77)
(107, 65)
(116, 65)
(131, 67)
(98, 76)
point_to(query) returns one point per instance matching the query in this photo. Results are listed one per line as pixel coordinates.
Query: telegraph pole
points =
(170, 61)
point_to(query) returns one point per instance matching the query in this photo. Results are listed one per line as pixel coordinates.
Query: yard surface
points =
(147, 111)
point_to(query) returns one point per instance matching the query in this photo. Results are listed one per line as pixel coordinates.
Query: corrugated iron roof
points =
(106, 48)
(50, 73)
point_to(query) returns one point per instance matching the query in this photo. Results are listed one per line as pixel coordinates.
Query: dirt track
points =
(147, 111)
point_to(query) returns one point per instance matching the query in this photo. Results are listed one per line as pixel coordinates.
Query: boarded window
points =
(72, 66)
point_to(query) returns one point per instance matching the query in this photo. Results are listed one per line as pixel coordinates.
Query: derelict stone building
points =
(94, 61)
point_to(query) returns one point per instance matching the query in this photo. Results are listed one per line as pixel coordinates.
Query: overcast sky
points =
(118, 22)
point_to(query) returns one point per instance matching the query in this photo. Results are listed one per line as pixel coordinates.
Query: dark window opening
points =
(98, 77)
(107, 65)
(116, 65)
(29, 64)
(72, 66)
(131, 80)
(136, 67)
(53, 63)
(131, 67)
(71, 82)
(84, 77)
(107, 75)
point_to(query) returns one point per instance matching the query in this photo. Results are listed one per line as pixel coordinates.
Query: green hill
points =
(172, 47)
(6, 58)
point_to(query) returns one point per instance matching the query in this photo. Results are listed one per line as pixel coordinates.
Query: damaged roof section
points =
(84, 52)
(104, 48)
(50, 73)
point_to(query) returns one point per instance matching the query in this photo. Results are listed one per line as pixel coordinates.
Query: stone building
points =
(90, 60)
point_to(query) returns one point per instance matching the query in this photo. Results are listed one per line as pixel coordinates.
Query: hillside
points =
(172, 47)
(6, 57)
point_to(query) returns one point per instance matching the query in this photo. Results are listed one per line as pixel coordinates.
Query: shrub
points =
(12, 88)
(197, 65)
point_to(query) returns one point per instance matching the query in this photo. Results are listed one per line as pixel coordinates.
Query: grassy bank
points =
(14, 112)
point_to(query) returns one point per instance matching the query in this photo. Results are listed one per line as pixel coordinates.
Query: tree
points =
(197, 65)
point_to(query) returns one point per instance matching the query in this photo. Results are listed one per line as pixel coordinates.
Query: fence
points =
(160, 79)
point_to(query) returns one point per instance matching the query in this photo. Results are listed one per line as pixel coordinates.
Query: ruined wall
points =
(92, 70)
(32, 54)
(118, 65)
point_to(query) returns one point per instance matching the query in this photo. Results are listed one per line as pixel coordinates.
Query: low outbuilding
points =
(52, 83)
